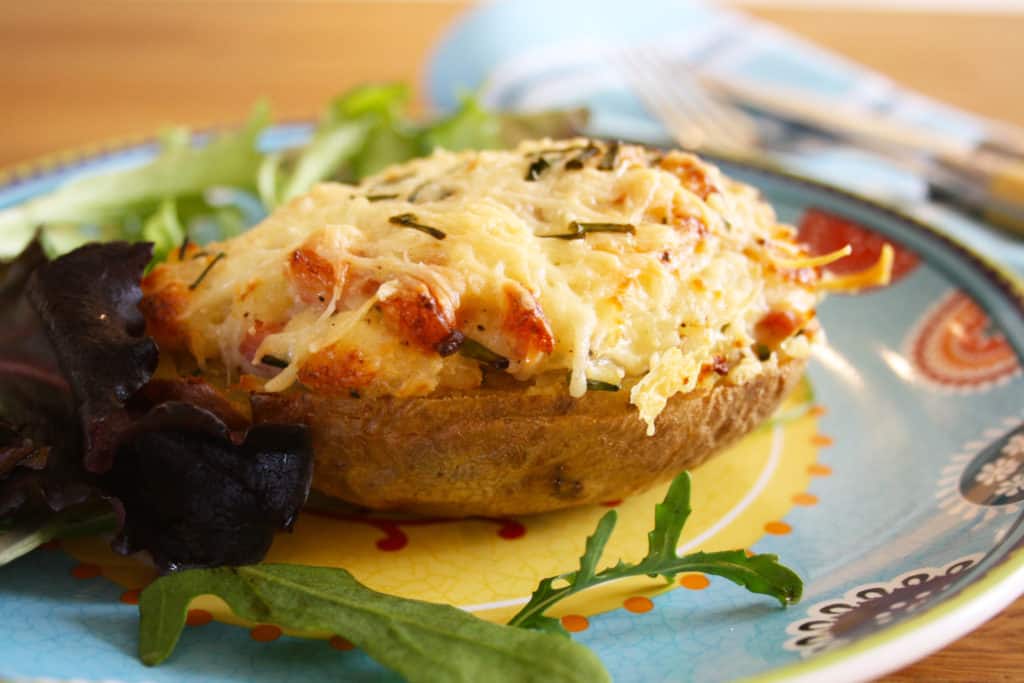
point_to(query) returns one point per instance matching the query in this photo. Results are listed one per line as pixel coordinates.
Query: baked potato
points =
(506, 451)
(502, 332)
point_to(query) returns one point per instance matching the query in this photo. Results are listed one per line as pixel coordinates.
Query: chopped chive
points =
(578, 230)
(183, 249)
(450, 344)
(537, 169)
(416, 191)
(409, 220)
(607, 162)
(206, 270)
(598, 385)
(200, 254)
(763, 352)
(380, 197)
(443, 193)
(576, 163)
(561, 151)
(274, 361)
(479, 352)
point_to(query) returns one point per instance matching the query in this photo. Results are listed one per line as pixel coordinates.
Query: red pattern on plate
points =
(395, 537)
(954, 347)
(823, 232)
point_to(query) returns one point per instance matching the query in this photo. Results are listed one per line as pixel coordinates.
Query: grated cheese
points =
(352, 301)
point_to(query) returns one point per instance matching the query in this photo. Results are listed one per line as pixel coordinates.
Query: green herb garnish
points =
(209, 266)
(537, 169)
(578, 230)
(183, 249)
(607, 162)
(576, 163)
(443, 192)
(380, 197)
(598, 385)
(419, 640)
(757, 573)
(409, 220)
(274, 361)
(479, 352)
(763, 352)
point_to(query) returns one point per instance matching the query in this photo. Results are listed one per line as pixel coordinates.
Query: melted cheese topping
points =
(599, 262)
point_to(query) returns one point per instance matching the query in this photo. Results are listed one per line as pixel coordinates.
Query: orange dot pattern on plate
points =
(638, 604)
(819, 470)
(821, 440)
(778, 528)
(131, 597)
(86, 571)
(806, 499)
(817, 411)
(574, 623)
(265, 633)
(695, 582)
(339, 643)
(198, 617)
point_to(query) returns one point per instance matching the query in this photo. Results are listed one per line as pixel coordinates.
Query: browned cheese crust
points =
(498, 452)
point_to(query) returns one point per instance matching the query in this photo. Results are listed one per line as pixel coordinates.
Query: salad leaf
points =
(757, 573)
(27, 535)
(323, 156)
(470, 127)
(192, 498)
(76, 426)
(229, 159)
(164, 230)
(419, 640)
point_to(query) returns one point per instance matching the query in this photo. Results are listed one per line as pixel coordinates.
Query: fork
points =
(696, 119)
(979, 181)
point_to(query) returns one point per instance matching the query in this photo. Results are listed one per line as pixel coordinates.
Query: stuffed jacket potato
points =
(502, 332)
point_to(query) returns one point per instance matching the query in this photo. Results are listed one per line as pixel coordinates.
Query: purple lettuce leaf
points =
(193, 485)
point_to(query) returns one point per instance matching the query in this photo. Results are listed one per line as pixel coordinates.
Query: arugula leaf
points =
(758, 574)
(419, 640)
(670, 517)
(229, 159)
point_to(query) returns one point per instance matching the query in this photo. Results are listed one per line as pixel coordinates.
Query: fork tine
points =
(723, 127)
(725, 124)
(642, 81)
(693, 116)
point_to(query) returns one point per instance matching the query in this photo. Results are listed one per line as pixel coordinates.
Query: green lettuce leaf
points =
(229, 159)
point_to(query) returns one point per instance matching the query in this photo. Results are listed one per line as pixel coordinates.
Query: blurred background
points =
(75, 73)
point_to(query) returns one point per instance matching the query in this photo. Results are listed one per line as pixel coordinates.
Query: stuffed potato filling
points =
(594, 264)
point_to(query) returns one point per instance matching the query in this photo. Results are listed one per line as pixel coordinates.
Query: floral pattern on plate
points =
(955, 348)
(869, 607)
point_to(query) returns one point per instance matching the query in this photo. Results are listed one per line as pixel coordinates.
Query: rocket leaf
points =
(419, 640)
(758, 573)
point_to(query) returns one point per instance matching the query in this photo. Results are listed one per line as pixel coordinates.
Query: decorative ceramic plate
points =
(892, 481)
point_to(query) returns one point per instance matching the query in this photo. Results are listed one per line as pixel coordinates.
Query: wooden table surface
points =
(74, 73)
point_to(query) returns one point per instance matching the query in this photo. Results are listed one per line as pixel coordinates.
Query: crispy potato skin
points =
(510, 451)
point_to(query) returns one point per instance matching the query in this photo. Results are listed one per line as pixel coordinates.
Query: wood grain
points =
(73, 73)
